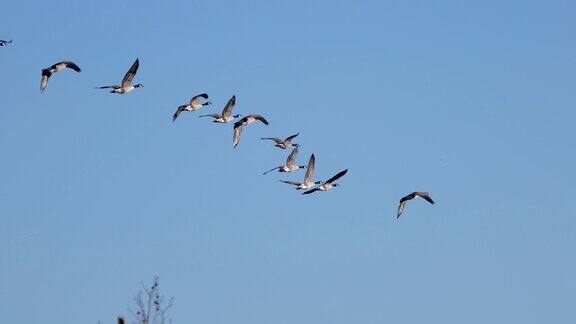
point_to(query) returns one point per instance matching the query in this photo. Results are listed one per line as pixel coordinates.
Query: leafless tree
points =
(151, 307)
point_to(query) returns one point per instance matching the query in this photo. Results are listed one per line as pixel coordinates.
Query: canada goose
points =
(241, 123)
(4, 43)
(290, 164)
(47, 72)
(194, 105)
(411, 196)
(328, 184)
(308, 177)
(126, 85)
(226, 115)
(120, 320)
(283, 144)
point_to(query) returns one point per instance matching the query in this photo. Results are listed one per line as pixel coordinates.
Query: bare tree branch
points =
(151, 307)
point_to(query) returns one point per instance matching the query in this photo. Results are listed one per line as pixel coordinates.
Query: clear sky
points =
(473, 102)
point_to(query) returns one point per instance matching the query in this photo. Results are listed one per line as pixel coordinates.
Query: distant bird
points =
(411, 196)
(290, 164)
(283, 143)
(308, 177)
(194, 105)
(120, 320)
(47, 72)
(4, 43)
(126, 85)
(243, 122)
(226, 115)
(328, 184)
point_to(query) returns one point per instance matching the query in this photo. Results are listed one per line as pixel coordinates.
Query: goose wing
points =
(211, 115)
(294, 183)
(236, 135)
(131, 73)
(291, 160)
(337, 176)
(275, 139)
(196, 99)
(71, 65)
(426, 196)
(401, 208)
(278, 167)
(44, 81)
(309, 176)
(310, 191)
(228, 108)
(260, 118)
(290, 138)
(178, 111)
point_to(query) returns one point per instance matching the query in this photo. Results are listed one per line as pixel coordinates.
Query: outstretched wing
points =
(236, 135)
(294, 183)
(291, 160)
(309, 176)
(177, 113)
(290, 138)
(310, 191)
(275, 139)
(260, 118)
(278, 167)
(131, 73)
(71, 65)
(44, 80)
(426, 196)
(337, 176)
(228, 108)
(211, 115)
(401, 208)
(196, 99)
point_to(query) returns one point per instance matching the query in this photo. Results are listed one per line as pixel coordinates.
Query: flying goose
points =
(47, 72)
(290, 164)
(241, 123)
(126, 85)
(328, 184)
(226, 115)
(411, 196)
(308, 177)
(120, 320)
(283, 143)
(194, 105)
(4, 43)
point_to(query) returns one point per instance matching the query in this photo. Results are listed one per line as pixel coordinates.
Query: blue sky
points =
(472, 102)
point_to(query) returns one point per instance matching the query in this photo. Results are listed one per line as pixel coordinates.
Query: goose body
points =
(47, 72)
(328, 184)
(290, 165)
(226, 115)
(194, 105)
(308, 177)
(247, 120)
(4, 43)
(126, 85)
(283, 143)
(414, 195)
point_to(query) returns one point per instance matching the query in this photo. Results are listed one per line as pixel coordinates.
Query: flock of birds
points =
(308, 184)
